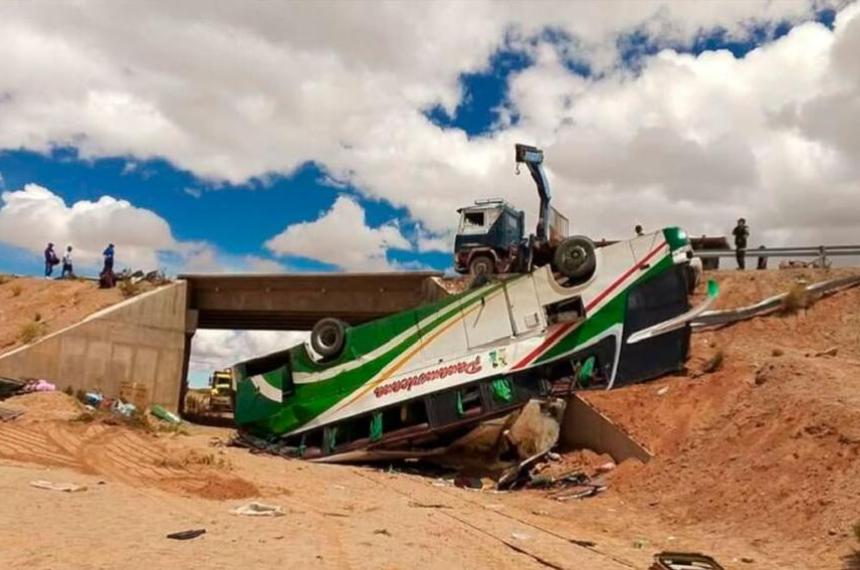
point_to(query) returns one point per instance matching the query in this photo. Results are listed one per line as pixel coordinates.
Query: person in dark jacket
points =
(107, 279)
(108, 257)
(742, 234)
(50, 260)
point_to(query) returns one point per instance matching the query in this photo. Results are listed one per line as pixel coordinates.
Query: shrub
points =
(129, 289)
(16, 290)
(31, 331)
(796, 299)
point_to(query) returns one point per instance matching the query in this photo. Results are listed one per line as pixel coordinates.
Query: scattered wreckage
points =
(579, 317)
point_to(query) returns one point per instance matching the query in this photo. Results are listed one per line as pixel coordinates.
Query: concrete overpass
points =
(298, 301)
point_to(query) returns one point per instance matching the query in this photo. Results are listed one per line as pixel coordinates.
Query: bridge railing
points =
(820, 252)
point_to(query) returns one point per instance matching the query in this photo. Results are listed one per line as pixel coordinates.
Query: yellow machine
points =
(221, 391)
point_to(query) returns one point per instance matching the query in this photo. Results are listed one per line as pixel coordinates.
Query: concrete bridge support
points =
(136, 349)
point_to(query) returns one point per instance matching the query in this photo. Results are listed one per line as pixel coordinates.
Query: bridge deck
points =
(297, 301)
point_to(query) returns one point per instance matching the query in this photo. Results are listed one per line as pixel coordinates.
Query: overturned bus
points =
(420, 378)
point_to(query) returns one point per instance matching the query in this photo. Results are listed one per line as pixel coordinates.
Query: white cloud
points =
(232, 92)
(341, 237)
(34, 216)
(257, 264)
(429, 242)
(217, 349)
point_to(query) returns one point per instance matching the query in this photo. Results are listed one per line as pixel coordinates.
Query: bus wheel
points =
(328, 338)
(574, 258)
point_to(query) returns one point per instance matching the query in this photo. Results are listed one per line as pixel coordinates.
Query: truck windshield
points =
(473, 219)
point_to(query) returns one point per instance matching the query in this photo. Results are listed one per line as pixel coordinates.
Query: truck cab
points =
(488, 238)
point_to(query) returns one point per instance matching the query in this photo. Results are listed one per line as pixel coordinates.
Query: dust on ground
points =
(47, 305)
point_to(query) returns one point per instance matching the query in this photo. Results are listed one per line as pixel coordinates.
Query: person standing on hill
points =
(108, 256)
(67, 264)
(50, 260)
(107, 279)
(741, 233)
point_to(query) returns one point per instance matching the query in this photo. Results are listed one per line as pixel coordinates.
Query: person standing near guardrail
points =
(741, 233)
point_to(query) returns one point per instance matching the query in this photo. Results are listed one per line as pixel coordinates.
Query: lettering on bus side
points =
(468, 367)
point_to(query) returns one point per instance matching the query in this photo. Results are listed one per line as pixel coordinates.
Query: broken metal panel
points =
(684, 561)
(583, 427)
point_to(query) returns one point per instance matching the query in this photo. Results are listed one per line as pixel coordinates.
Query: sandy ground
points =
(57, 304)
(142, 486)
(757, 463)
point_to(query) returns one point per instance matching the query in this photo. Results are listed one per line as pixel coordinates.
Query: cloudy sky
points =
(296, 136)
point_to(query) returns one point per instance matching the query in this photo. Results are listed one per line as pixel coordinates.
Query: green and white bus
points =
(419, 378)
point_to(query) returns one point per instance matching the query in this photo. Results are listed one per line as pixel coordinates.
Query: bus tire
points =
(328, 338)
(575, 258)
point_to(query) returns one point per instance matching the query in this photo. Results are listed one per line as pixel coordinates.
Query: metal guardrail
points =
(820, 253)
(812, 251)
(771, 304)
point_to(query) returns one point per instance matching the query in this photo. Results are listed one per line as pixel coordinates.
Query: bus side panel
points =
(649, 303)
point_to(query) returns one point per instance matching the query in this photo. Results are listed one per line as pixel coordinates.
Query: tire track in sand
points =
(121, 454)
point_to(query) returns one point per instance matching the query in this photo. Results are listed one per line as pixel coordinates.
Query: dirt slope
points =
(57, 304)
(768, 446)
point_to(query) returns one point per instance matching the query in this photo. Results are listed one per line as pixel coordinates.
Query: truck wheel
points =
(481, 265)
(574, 258)
(328, 337)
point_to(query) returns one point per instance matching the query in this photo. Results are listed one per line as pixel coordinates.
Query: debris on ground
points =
(684, 561)
(187, 534)
(62, 487)
(38, 385)
(8, 414)
(10, 386)
(468, 482)
(163, 414)
(258, 510)
(832, 351)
